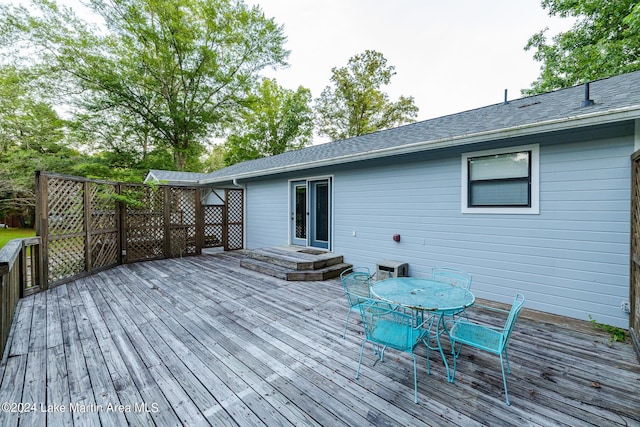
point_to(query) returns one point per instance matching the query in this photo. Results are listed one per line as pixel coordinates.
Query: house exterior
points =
(531, 195)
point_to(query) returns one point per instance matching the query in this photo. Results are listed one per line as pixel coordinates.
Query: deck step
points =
(295, 263)
(296, 258)
(284, 273)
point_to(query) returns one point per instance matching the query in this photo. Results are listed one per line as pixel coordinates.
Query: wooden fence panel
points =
(234, 218)
(634, 276)
(144, 223)
(65, 208)
(88, 225)
(103, 231)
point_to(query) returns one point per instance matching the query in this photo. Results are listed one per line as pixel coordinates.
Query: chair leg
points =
(364, 342)
(504, 381)
(415, 379)
(426, 344)
(455, 359)
(344, 334)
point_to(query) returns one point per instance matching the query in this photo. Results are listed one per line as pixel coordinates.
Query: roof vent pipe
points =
(505, 98)
(586, 102)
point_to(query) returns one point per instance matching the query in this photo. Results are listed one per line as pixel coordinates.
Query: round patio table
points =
(425, 295)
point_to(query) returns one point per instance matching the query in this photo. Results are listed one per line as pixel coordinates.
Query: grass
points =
(7, 234)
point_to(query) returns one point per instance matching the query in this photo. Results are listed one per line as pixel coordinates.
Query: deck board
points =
(199, 341)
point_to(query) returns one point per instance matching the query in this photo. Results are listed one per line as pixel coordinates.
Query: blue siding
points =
(267, 214)
(572, 259)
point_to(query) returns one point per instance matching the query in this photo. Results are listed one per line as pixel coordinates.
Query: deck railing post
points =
(225, 221)
(42, 226)
(86, 200)
(166, 202)
(199, 213)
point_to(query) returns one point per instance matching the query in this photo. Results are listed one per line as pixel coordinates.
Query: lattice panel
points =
(104, 249)
(183, 206)
(66, 258)
(235, 206)
(182, 236)
(183, 241)
(235, 212)
(634, 319)
(213, 226)
(144, 226)
(212, 236)
(103, 206)
(235, 237)
(65, 207)
(145, 244)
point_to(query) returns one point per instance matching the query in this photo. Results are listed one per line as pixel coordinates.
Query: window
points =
(501, 181)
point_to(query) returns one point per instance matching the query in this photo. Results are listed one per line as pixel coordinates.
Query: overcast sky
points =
(450, 55)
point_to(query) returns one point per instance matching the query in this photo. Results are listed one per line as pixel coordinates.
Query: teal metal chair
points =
(454, 277)
(356, 282)
(387, 326)
(486, 338)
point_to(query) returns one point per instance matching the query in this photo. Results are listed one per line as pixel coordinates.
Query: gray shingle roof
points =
(616, 98)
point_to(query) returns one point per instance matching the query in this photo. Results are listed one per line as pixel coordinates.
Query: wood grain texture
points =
(199, 340)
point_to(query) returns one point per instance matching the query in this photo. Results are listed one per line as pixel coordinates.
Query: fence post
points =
(86, 199)
(199, 212)
(42, 226)
(166, 201)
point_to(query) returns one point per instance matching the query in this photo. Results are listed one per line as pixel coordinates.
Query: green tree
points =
(178, 70)
(603, 42)
(356, 105)
(276, 120)
(215, 158)
(32, 137)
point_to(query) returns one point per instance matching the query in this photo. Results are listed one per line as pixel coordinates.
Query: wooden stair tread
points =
(291, 274)
(302, 259)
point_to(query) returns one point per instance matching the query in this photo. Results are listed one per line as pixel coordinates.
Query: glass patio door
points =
(311, 213)
(299, 213)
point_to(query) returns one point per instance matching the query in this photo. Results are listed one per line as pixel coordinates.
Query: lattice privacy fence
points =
(84, 227)
(634, 315)
(221, 220)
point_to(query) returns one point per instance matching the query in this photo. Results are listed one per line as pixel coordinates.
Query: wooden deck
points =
(198, 341)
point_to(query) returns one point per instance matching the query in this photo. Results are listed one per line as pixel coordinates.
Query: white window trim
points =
(534, 209)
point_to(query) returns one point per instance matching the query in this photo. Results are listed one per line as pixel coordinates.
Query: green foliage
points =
(215, 159)
(152, 73)
(32, 138)
(276, 120)
(615, 333)
(355, 104)
(604, 41)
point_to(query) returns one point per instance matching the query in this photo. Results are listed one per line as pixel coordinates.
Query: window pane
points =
(500, 193)
(500, 166)
(322, 212)
(301, 212)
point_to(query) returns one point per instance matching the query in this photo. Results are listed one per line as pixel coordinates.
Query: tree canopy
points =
(276, 121)
(151, 73)
(603, 42)
(355, 104)
(32, 137)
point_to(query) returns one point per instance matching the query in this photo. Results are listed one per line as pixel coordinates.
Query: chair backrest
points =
(518, 302)
(452, 276)
(356, 282)
(385, 324)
